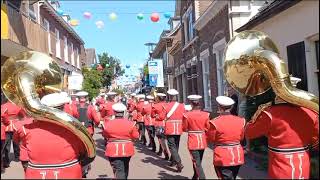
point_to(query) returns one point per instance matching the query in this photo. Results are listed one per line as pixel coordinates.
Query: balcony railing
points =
(24, 30)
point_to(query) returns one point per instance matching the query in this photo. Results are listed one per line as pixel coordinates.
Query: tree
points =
(111, 67)
(92, 82)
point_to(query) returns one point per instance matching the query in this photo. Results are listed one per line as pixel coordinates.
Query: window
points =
(32, 12)
(78, 59)
(188, 25)
(66, 57)
(58, 54)
(46, 26)
(297, 63)
(206, 81)
(218, 49)
(72, 54)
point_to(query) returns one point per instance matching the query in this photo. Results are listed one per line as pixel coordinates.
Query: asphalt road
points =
(145, 164)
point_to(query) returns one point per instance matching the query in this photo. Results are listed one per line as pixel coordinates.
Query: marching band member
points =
(71, 107)
(101, 99)
(159, 124)
(120, 132)
(226, 132)
(291, 131)
(131, 105)
(86, 113)
(15, 113)
(196, 124)
(173, 115)
(149, 122)
(44, 143)
(106, 108)
(140, 120)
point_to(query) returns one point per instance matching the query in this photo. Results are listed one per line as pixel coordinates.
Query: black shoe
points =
(172, 163)
(159, 153)
(179, 167)
(166, 156)
(149, 145)
(6, 165)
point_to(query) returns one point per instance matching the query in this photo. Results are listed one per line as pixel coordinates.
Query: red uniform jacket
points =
(100, 101)
(106, 109)
(226, 132)
(173, 119)
(196, 123)
(146, 112)
(290, 130)
(157, 109)
(91, 114)
(48, 144)
(4, 123)
(139, 109)
(14, 114)
(71, 108)
(119, 133)
(131, 105)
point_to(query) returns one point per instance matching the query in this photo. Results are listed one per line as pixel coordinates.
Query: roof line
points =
(268, 12)
(64, 23)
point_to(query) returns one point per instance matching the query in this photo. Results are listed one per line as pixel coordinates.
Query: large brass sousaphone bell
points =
(252, 66)
(30, 75)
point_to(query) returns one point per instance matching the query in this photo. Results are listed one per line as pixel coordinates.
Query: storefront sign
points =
(156, 73)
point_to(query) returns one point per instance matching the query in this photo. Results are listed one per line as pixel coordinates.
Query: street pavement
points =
(145, 164)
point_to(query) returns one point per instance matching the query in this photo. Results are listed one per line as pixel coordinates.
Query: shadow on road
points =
(158, 162)
(246, 170)
(164, 175)
(104, 176)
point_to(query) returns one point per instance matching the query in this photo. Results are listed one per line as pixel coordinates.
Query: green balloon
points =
(107, 65)
(140, 16)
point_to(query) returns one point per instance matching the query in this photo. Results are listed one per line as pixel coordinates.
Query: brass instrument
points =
(30, 75)
(252, 66)
(154, 94)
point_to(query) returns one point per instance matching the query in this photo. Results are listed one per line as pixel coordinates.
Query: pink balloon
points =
(155, 17)
(87, 15)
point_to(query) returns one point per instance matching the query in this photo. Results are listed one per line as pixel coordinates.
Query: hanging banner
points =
(75, 82)
(155, 69)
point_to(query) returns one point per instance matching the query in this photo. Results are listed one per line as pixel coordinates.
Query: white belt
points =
(52, 166)
(119, 140)
(174, 121)
(195, 132)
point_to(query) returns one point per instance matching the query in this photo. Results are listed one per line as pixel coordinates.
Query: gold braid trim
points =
(261, 108)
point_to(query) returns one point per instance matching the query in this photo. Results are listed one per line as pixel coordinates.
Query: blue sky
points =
(125, 37)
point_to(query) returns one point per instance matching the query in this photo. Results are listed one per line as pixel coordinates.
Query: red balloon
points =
(155, 17)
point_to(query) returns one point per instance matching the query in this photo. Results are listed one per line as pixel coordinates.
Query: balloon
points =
(60, 12)
(87, 15)
(100, 24)
(167, 15)
(155, 17)
(140, 16)
(74, 22)
(113, 16)
(107, 65)
(127, 66)
(141, 66)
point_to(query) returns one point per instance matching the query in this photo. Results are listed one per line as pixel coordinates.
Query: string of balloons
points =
(154, 17)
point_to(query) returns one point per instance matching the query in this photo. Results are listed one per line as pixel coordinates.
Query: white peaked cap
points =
(224, 101)
(172, 92)
(188, 107)
(82, 93)
(194, 97)
(150, 97)
(119, 107)
(55, 99)
(140, 96)
(102, 94)
(161, 95)
(111, 93)
(294, 81)
(133, 94)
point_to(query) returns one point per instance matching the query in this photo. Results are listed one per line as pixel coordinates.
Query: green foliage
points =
(119, 91)
(111, 67)
(92, 81)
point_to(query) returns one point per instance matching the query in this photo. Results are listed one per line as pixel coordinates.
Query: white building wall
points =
(296, 24)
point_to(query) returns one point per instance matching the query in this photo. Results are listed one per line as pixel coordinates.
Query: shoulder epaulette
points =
(261, 108)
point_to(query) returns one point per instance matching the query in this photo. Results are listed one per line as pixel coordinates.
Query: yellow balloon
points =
(113, 16)
(74, 22)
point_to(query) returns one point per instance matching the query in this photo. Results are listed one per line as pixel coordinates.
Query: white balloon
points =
(100, 24)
